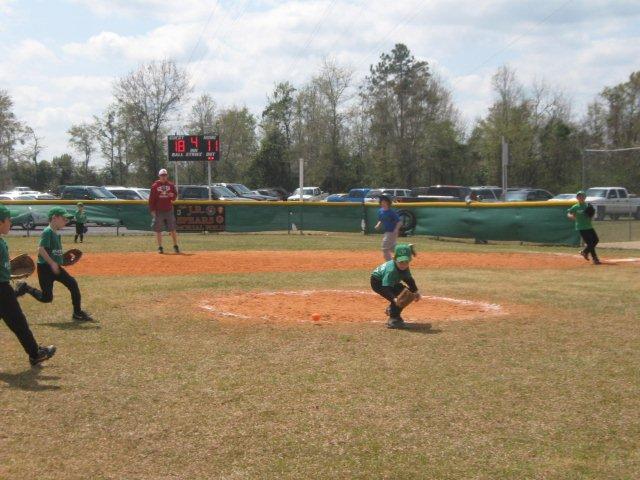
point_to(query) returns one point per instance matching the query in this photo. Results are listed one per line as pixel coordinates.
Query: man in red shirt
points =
(163, 194)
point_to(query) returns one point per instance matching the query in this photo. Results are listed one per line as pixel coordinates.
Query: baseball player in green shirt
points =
(581, 213)
(50, 268)
(81, 219)
(386, 281)
(10, 310)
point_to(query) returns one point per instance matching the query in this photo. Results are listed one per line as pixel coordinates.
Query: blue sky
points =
(59, 59)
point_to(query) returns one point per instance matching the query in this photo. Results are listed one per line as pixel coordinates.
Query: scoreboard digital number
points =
(193, 148)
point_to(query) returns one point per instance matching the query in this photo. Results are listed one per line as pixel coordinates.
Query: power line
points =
(206, 24)
(293, 68)
(613, 150)
(517, 39)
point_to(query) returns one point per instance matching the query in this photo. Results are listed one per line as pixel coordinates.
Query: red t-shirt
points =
(162, 196)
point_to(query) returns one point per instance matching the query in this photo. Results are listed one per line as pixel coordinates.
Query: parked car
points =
(86, 192)
(564, 196)
(613, 201)
(437, 193)
(130, 193)
(278, 192)
(527, 195)
(354, 195)
(30, 219)
(309, 194)
(488, 193)
(201, 192)
(242, 191)
(392, 193)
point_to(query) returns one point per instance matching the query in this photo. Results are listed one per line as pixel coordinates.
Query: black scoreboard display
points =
(193, 148)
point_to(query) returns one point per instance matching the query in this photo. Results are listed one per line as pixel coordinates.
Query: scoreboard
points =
(193, 148)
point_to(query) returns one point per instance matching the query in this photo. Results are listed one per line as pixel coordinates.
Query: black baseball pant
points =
(12, 315)
(590, 237)
(389, 293)
(46, 277)
(79, 232)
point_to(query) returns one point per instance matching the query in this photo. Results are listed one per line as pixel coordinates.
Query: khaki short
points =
(164, 218)
(389, 240)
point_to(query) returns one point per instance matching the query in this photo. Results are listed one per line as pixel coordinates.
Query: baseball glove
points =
(22, 266)
(71, 256)
(590, 211)
(405, 298)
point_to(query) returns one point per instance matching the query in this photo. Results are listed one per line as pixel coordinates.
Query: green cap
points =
(4, 213)
(59, 211)
(581, 192)
(402, 253)
(80, 204)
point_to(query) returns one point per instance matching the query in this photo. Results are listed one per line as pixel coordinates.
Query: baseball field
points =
(519, 362)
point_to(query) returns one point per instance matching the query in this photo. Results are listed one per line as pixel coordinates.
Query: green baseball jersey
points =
(389, 274)
(52, 243)
(583, 222)
(80, 216)
(5, 263)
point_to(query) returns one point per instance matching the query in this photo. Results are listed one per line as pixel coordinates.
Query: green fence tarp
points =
(546, 223)
(539, 222)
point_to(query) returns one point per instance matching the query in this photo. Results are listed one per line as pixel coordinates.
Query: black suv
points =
(86, 192)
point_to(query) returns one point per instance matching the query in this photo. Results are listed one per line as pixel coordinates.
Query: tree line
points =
(398, 127)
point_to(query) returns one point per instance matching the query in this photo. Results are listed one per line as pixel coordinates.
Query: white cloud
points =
(248, 46)
(163, 42)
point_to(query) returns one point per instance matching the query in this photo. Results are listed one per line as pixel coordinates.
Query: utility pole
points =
(505, 166)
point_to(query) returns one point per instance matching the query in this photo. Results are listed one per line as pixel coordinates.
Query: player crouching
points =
(386, 281)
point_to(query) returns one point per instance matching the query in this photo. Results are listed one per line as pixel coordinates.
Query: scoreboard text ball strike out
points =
(193, 148)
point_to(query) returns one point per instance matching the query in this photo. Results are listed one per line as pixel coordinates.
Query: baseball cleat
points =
(584, 254)
(596, 261)
(395, 322)
(82, 316)
(176, 249)
(44, 353)
(160, 250)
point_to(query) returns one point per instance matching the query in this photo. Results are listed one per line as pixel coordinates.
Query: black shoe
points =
(176, 249)
(387, 311)
(22, 288)
(596, 261)
(585, 255)
(160, 250)
(82, 316)
(395, 322)
(44, 353)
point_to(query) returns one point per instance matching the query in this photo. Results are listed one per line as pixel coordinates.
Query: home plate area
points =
(335, 306)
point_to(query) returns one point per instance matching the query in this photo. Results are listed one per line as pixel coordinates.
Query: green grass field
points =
(157, 390)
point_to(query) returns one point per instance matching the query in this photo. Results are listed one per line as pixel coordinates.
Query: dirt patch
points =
(146, 263)
(337, 306)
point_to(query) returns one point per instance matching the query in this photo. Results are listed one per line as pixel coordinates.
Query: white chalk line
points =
(493, 308)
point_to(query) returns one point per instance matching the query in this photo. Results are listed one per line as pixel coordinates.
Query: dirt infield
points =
(146, 263)
(336, 306)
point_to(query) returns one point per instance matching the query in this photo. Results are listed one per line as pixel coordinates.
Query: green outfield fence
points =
(537, 222)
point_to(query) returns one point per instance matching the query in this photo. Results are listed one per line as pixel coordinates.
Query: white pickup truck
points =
(613, 201)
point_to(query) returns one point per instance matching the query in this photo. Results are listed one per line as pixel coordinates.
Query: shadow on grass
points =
(29, 380)
(420, 328)
(73, 325)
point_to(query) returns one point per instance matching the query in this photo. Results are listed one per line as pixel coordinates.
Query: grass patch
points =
(158, 389)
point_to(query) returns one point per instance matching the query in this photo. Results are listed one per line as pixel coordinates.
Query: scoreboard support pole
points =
(209, 179)
(175, 174)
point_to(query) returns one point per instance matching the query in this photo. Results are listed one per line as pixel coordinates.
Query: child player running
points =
(10, 310)
(389, 219)
(386, 281)
(50, 267)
